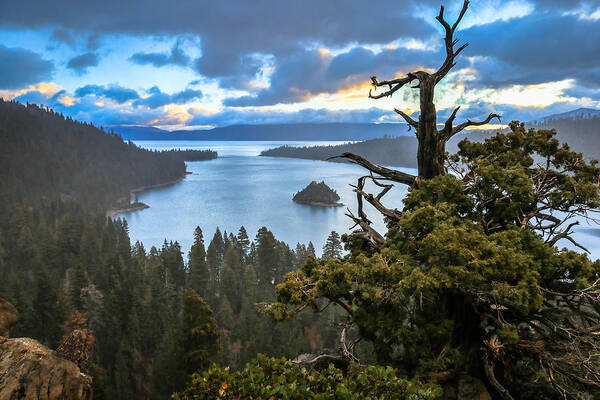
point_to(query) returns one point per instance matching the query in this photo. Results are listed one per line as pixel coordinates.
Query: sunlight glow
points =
(48, 89)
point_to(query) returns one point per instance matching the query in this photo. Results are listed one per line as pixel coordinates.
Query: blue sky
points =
(195, 64)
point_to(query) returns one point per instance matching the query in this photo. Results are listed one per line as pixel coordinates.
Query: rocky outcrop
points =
(8, 317)
(29, 370)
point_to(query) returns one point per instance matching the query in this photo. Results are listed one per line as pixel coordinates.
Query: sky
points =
(192, 64)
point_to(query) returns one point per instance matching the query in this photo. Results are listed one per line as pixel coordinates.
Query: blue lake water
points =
(240, 188)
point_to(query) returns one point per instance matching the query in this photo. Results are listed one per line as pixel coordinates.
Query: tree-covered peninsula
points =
(397, 152)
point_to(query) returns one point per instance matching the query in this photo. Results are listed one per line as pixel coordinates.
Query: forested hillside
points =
(398, 151)
(44, 155)
(582, 133)
(65, 266)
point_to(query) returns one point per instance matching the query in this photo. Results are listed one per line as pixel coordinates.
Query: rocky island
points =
(318, 194)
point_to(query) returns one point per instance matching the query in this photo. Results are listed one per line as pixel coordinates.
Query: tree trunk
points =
(431, 149)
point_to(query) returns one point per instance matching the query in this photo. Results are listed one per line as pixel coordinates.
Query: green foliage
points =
(199, 333)
(266, 378)
(472, 264)
(333, 246)
(60, 253)
(198, 267)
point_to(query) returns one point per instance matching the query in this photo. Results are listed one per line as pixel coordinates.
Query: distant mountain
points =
(580, 113)
(579, 128)
(279, 132)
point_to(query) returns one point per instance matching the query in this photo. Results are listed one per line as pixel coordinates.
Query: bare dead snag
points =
(431, 150)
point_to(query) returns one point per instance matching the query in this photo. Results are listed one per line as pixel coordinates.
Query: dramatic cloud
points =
(81, 63)
(176, 57)
(230, 30)
(89, 109)
(303, 73)
(21, 67)
(536, 49)
(264, 61)
(116, 93)
(157, 98)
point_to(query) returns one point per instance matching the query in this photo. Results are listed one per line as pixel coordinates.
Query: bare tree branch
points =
(447, 131)
(375, 201)
(393, 84)
(459, 128)
(390, 174)
(451, 54)
(408, 119)
(368, 233)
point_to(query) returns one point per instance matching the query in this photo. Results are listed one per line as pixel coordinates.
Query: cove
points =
(240, 188)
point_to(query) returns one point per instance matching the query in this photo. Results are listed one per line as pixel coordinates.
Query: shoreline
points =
(319, 204)
(137, 207)
(142, 206)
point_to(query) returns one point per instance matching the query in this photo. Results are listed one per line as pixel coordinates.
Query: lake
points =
(240, 188)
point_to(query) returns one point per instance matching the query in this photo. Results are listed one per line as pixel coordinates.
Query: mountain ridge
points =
(271, 132)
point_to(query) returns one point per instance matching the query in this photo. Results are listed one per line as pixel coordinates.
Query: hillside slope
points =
(46, 156)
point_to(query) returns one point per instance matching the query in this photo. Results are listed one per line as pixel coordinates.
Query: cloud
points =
(232, 116)
(157, 98)
(89, 109)
(81, 63)
(537, 48)
(62, 36)
(114, 92)
(302, 73)
(34, 97)
(176, 57)
(230, 30)
(284, 53)
(21, 67)
(93, 41)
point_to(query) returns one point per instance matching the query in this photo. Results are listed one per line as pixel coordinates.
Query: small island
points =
(318, 194)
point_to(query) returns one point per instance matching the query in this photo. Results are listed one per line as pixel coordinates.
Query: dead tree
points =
(431, 151)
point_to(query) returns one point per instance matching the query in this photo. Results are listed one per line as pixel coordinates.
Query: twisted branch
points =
(393, 84)
(408, 119)
(450, 42)
(459, 128)
(391, 174)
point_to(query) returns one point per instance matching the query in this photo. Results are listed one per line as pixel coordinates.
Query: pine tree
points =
(333, 246)
(243, 241)
(77, 281)
(199, 333)
(310, 249)
(199, 277)
(229, 287)
(267, 256)
(214, 258)
(47, 319)
(173, 263)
